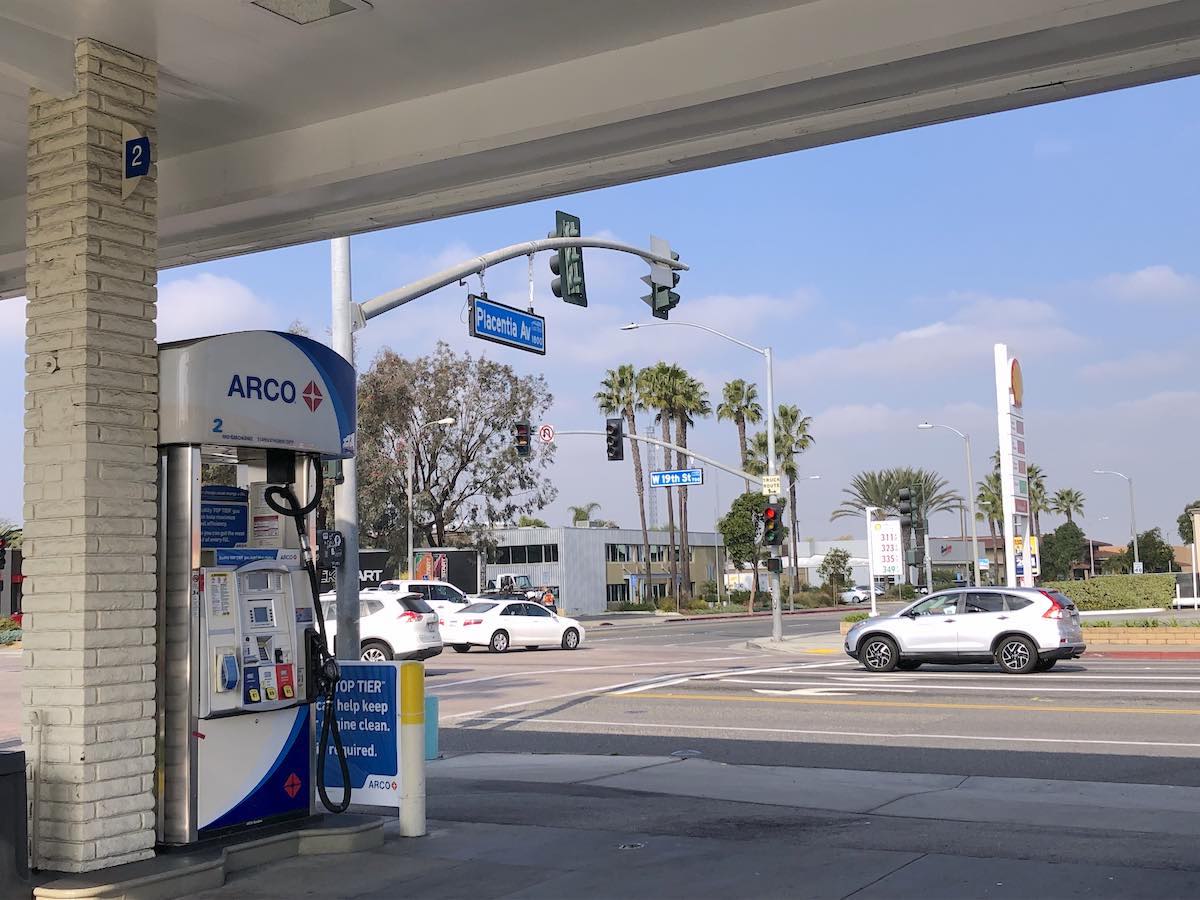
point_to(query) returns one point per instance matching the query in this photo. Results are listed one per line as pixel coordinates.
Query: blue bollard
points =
(431, 727)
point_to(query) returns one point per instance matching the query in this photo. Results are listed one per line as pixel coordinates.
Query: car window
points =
(445, 592)
(1014, 602)
(513, 609)
(389, 586)
(329, 609)
(532, 609)
(937, 605)
(416, 587)
(478, 608)
(414, 603)
(369, 607)
(978, 601)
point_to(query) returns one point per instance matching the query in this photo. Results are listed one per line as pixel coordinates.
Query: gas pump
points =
(246, 420)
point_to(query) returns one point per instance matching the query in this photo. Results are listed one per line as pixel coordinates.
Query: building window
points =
(503, 556)
(617, 553)
(550, 552)
(658, 590)
(519, 556)
(658, 552)
(618, 593)
(534, 553)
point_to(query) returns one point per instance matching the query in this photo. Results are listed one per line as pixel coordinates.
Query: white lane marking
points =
(527, 672)
(651, 685)
(998, 676)
(722, 729)
(844, 691)
(772, 669)
(893, 685)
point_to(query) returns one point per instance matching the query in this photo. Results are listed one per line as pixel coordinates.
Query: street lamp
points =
(1092, 547)
(1132, 525)
(411, 460)
(765, 352)
(927, 426)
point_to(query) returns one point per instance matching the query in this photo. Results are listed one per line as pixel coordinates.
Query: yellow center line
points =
(901, 704)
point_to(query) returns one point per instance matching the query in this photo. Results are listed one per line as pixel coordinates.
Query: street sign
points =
(886, 557)
(507, 325)
(1139, 568)
(984, 564)
(772, 484)
(546, 433)
(135, 158)
(677, 478)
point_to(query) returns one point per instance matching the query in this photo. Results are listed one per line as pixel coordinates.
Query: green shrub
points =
(1119, 591)
(7, 624)
(9, 636)
(666, 604)
(1142, 623)
(854, 617)
(632, 607)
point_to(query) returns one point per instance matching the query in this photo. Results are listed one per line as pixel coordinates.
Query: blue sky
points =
(881, 271)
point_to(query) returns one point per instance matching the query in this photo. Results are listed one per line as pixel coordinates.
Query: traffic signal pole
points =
(772, 471)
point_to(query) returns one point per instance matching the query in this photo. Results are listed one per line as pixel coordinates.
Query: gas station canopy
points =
(283, 121)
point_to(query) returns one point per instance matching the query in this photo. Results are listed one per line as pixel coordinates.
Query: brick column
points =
(90, 433)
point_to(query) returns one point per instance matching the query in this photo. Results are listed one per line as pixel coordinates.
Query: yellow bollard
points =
(412, 749)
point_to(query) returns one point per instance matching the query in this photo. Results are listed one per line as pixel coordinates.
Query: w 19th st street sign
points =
(677, 478)
(507, 325)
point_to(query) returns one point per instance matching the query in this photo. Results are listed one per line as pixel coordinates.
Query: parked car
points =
(858, 594)
(502, 624)
(441, 595)
(1020, 629)
(392, 625)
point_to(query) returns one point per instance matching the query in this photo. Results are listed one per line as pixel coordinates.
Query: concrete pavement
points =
(524, 826)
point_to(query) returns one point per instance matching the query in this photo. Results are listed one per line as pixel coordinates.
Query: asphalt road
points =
(663, 688)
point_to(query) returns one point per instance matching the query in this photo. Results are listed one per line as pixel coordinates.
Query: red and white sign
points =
(546, 433)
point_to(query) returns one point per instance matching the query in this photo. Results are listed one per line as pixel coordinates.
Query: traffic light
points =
(567, 263)
(521, 438)
(614, 439)
(914, 557)
(661, 299)
(773, 524)
(906, 508)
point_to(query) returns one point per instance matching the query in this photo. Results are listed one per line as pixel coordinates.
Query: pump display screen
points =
(258, 581)
(261, 615)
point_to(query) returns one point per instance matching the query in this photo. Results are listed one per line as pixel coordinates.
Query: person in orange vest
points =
(548, 598)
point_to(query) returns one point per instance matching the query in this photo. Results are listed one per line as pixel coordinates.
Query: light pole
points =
(345, 495)
(870, 514)
(411, 460)
(1132, 523)
(926, 426)
(1092, 547)
(765, 352)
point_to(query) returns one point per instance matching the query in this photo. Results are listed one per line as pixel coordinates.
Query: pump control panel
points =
(252, 621)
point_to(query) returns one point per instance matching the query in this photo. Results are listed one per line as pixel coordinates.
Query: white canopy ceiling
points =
(393, 111)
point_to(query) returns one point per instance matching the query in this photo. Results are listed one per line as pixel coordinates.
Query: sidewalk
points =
(553, 826)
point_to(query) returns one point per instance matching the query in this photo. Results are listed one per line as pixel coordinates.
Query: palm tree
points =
(690, 401)
(792, 438)
(583, 513)
(620, 395)
(655, 386)
(1038, 497)
(989, 503)
(882, 490)
(739, 404)
(1067, 502)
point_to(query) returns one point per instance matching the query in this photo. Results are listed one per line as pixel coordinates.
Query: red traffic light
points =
(769, 513)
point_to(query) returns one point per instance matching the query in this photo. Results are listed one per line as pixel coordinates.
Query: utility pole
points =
(345, 495)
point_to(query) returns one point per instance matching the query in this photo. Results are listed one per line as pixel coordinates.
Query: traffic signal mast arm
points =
(369, 309)
(688, 451)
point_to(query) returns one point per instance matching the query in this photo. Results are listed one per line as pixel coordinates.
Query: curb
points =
(1177, 655)
(757, 615)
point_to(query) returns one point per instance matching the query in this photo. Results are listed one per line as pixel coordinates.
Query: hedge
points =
(1119, 591)
(9, 636)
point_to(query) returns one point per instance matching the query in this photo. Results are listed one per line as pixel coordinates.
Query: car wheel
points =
(906, 665)
(1016, 655)
(461, 648)
(499, 642)
(376, 652)
(570, 639)
(1045, 665)
(879, 654)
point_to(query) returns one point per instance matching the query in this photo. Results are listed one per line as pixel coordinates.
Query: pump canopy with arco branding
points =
(245, 420)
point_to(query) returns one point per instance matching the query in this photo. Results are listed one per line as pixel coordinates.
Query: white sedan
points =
(502, 624)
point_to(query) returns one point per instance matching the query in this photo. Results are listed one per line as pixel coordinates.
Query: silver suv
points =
(1021, 629)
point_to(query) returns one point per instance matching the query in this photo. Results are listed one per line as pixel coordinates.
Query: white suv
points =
(442, 596)
(1021, 629)
(392, 625)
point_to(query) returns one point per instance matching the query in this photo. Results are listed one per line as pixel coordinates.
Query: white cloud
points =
(1153, 284)
(211, 304)
(1149, 364)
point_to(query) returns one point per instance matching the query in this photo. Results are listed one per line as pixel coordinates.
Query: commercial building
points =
(594, 569)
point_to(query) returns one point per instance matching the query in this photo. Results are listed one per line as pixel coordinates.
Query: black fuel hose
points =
(325, 669)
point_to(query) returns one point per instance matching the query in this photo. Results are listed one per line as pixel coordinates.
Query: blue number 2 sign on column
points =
(137, 157)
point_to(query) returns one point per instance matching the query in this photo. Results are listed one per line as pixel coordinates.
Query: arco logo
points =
(292, 786)
(312, 396)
